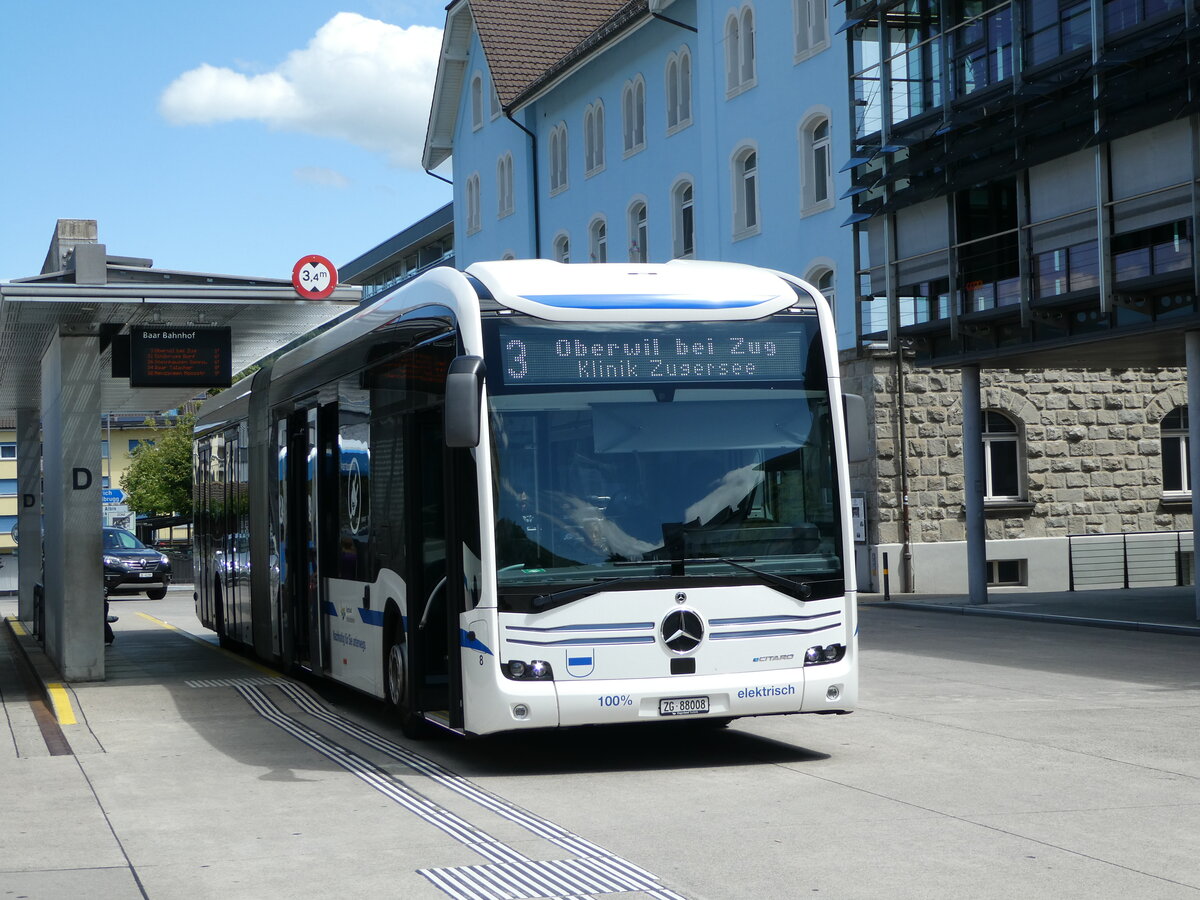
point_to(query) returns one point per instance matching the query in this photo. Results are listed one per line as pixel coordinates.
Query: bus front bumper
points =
(816, 689)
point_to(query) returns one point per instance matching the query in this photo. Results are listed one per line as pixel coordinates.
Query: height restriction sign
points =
(314, 277)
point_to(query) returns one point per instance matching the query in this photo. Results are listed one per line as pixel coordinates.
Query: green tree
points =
(159, 479)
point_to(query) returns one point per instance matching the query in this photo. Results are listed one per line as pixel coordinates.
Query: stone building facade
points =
(1089, 455)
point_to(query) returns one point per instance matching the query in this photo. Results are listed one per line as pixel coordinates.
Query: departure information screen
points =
(775, 350)
(161, 356)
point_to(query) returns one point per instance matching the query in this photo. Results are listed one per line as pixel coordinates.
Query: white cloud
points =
(359, 80)
(321, 177)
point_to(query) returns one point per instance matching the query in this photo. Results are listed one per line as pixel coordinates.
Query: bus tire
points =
(224, 641)
(397, 689)
(218, 612)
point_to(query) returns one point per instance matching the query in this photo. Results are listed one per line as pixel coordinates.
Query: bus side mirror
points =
(858, 441)
(464, 399)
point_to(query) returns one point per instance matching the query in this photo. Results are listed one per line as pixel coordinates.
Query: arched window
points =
(811, 19)
(740, 60)
(821, 277)
(679, 90)
(1176, 470)
(558, 158)
(495, 98)
(598, 240)
(553, 167)
(474, 220)
(1001, 457)
(504, 186)
(684, 222)
(745, 193)
(477, 102)
(748, 60)
(816, 168)
(562, 248)
(672, 92)
(589, 140)
(593, 138)
(825, 284)
(637, 232)
(685, 87)
(633, 115)
(733, 54)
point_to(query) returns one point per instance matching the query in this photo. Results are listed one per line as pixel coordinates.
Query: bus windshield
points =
(643, 450)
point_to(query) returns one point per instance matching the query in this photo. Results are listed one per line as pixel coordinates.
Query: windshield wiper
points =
(677, 564)
(566, 595)
(799, 590)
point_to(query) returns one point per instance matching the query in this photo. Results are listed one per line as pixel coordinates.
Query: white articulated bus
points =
(532, 495)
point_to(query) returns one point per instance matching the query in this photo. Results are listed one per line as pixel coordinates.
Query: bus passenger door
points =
(434, 654)
(462, 539)
(301, 584)
(203, 532)
(277, 560)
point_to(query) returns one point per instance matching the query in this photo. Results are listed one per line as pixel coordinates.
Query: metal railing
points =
(1130, 560)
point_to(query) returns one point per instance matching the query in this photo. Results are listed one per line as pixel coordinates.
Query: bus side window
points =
(353, 481)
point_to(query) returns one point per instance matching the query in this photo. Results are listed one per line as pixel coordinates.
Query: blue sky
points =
(229, 137)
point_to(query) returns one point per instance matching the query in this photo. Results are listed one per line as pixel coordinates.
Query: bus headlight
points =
(535, 670)
(819, 656)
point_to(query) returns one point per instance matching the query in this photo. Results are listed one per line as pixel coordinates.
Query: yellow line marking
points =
(63, 710)
(199, 640)
(158, 621)
(15, 624)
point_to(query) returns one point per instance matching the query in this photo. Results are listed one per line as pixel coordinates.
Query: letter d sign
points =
(81, 478)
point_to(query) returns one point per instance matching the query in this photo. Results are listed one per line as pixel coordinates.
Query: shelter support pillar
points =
(74, 579)
(973, 489)
(1192, 350)
(29, 510)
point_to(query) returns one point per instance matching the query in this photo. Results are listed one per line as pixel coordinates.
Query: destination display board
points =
(677, 352)
(188, 356)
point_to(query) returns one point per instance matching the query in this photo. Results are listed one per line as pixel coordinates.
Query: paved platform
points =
(173, 785)
(192, 772)
(1165, 609)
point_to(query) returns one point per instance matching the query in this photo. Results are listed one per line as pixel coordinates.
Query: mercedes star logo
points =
(682, 630)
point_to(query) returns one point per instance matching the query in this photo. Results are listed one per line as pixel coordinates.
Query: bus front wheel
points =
(395, 668)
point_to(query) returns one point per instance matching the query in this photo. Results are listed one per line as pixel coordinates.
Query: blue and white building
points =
(648, 130)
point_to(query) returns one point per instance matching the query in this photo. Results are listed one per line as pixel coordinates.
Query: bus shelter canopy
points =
(263, 316)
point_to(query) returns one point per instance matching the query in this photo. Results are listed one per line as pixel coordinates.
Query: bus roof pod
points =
(680, 289)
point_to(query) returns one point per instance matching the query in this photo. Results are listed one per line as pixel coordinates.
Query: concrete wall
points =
(941, 568)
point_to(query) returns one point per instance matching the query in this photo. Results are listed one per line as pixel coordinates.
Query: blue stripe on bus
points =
(367, 616)
(643, 301)
(471, 643)
(615, 626)
(768, 620)
(776, 632)
(579, 660)
(584, 642)
(371, 616)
